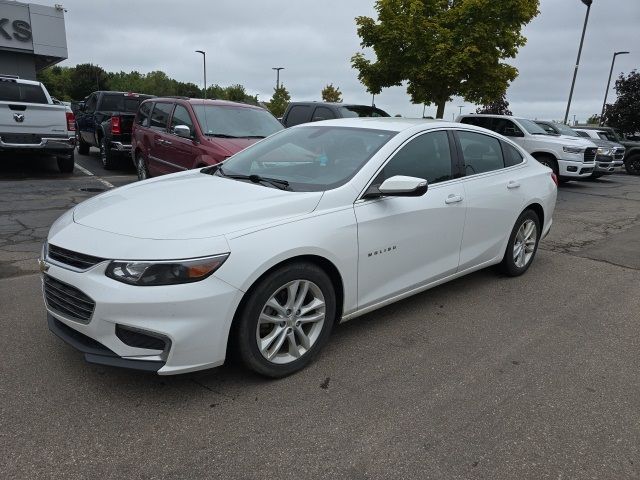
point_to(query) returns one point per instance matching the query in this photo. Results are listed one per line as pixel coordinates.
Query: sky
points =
(314, 41)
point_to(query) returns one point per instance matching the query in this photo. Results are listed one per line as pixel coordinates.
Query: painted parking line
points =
(91, 174)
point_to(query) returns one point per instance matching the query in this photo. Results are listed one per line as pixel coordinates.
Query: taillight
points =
(115, 125)
(554, 177)
(71, 122)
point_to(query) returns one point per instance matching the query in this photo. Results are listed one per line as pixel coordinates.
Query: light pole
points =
(461, 107)
(204, 69)
(277, 69)
(606, 92)
(575, 71)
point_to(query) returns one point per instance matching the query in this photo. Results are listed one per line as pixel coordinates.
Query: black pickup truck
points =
(104, 121)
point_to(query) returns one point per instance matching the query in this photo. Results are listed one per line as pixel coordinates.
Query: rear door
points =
(86, 122)
(158, 155)
(182, 152)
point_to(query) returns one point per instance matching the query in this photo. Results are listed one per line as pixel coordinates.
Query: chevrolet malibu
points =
(263, 254)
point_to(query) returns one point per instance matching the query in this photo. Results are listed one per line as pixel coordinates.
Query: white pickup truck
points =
(30, 122)
(568, 157)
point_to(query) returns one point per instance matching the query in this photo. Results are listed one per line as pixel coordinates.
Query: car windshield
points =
(310, 158)
(235, 122)
(566, 130)
(531, 127)
(352, 111)
(609, 135)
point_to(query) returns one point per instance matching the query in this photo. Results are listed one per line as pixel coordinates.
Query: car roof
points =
(201, 101)
(394, 124)
(333, 104)
(492, 115)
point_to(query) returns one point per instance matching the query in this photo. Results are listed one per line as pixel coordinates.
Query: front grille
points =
(138, 339)
(590, 154)
(619, 153)
(67, 300)
(74, 259)
(21, 138)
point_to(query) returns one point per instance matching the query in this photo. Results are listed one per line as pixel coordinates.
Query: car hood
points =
(572, 141)
(232, 145)
(191, 205)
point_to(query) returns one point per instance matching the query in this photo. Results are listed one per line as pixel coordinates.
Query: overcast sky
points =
(315, 40)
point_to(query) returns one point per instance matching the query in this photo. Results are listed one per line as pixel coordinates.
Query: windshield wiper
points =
(253, 136)
(276, 182)
(221, 135)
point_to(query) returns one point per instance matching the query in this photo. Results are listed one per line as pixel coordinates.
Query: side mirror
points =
(399, 186)
(182, 131)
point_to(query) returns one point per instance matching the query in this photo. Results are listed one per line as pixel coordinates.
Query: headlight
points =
(169, 272)
(574, 150)
(604, 151)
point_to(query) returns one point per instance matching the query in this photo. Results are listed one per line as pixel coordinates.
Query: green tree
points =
(624, 114)
(279, 101)
(331, 94)
(57, 80)
(593, 119)
(498, 107)
(443, 48)
(86, 78)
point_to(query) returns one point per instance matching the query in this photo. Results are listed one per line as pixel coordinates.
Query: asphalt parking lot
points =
(486, 377)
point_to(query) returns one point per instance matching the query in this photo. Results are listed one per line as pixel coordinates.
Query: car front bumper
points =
(575, 169)
(193, 318)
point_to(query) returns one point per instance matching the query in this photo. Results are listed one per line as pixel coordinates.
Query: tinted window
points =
(143, 114)
(310, 158)
(298, 114)
(12, 91)
(512, 155)
(322, 113)
(91, 103)
(548, 128)
(362, 111)
(181, 117)
(507, 128)
(427, 156)
(120, 103)
(583, 134)
(481, 153)
(160, 115)
(531, 127)
(484, 122)
(235, 122)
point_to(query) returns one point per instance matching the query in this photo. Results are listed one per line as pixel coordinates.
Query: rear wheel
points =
(83, 147)
(523, 244)
(286, 320)
(66, 163)
(632, 165)
(108, 160)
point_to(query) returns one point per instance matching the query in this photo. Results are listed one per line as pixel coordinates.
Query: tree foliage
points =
(497, 107)
(624, 114)
(593, 119)
(75, 83)
(443, 48)
(331, 94)
(279, 101)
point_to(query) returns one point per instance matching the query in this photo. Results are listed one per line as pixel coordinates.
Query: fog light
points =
(572, 169)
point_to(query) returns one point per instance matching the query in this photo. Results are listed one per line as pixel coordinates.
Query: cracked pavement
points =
(488, 377)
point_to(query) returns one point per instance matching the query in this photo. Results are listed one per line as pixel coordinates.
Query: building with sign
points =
(32, 37)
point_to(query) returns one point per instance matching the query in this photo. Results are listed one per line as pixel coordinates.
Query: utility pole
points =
(575, 71)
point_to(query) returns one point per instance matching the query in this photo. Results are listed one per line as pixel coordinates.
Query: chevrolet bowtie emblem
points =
(44, 266)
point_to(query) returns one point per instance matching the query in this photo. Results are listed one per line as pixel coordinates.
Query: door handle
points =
(166, 142)
(453, 199)
(513, 184)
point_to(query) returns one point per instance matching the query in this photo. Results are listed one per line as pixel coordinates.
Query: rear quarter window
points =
(298, 114)
(142, 118)
(512, 155)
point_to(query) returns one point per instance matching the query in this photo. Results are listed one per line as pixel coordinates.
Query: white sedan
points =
(262, 255)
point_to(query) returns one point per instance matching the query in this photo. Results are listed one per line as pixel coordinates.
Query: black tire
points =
(66, 163)
(549, 161)
(632, 165)
(246, 329)
(108, 159)
(596, 175)
(83, 147)
(141, 166)
(508, 265)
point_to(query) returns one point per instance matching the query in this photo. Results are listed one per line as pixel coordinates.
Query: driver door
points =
(407, 242)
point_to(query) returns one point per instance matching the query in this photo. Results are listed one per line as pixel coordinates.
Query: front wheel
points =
(523, 244)
(108, 160)
(286, 320)
(632, 165)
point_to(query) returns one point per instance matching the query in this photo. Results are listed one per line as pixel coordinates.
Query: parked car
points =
(30, 122)
(632, 148)
(305, 112)
(568, 157)
(263, 254)
(105, 121)
(608, 157)
(175, 134)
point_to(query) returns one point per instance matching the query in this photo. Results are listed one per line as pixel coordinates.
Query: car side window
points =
(481, 153)
(507, 128)
(143, 114)
(484, 122)
(297, 115)
(181, 117)
(582, 134)
(512, 155)
(427, 156)
(160, 115)
(322, 113)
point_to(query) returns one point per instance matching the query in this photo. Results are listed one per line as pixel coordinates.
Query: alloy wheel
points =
(524, 245)
(142, 171)
(103, 154)
(291, 321)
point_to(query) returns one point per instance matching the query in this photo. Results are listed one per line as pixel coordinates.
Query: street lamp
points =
(575, 71)
(277, 69)
(204, 69)
(606, 92)
(461, 107)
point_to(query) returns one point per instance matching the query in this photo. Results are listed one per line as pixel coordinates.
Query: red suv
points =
(174, 134)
